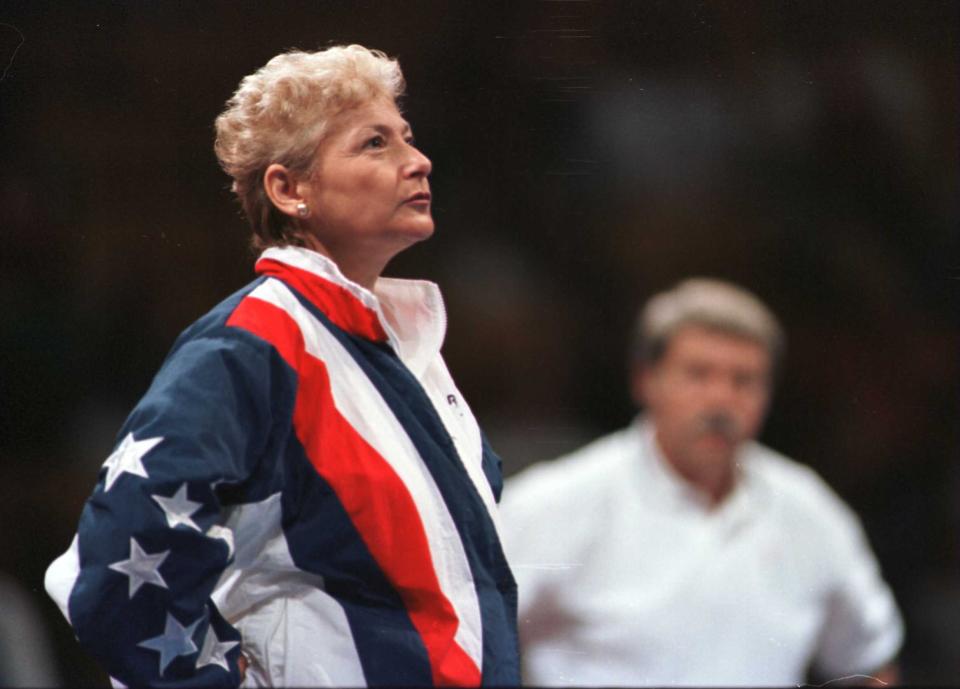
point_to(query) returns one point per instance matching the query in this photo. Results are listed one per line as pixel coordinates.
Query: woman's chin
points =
(418, 231)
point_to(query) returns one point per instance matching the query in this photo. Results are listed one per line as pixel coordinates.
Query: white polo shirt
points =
(627, 577)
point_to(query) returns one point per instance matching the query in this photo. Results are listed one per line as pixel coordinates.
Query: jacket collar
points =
(407, 314)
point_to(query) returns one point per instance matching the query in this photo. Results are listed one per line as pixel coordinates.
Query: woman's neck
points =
(363, 272)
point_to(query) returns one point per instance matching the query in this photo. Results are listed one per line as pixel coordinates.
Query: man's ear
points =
(640, 382)
(283, 189)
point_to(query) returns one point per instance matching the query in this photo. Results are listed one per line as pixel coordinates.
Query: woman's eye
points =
(375, 142)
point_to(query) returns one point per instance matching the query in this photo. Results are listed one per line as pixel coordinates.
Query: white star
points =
(128, 458)
(214, 651)
(175, 641)
(141, 567)
(222, 532)
(178, 508)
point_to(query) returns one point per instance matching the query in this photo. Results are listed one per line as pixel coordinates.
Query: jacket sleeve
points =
(151, 542)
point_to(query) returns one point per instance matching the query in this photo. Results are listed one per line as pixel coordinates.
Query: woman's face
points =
(368, 193)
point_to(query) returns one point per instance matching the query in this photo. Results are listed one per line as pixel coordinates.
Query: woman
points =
(303, 497)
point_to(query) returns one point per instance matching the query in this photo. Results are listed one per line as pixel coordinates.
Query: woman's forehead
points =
(381, 113)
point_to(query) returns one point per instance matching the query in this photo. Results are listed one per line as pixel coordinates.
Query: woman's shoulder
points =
(237, 334)
(242, 317)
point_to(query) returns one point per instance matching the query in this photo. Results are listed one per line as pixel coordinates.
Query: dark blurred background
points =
(586, 154)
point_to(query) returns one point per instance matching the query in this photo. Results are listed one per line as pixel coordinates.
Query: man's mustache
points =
(719, 423)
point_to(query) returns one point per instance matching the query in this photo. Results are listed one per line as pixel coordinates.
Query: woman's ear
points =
(283, 189)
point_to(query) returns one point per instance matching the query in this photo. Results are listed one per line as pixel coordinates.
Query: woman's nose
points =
(418, 165)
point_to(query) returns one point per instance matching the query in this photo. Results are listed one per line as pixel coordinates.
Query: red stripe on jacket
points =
(375, 498)
(336, 302)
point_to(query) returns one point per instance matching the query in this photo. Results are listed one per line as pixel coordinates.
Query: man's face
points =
(706, 395)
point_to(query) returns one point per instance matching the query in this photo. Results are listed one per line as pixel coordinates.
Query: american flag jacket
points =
(304, 483)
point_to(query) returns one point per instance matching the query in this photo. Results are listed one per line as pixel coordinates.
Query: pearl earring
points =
(302, 210)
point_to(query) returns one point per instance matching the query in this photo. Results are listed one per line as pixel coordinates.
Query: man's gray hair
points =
(707, 303)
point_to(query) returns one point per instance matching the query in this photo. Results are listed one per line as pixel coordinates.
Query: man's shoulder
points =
(553, 507)
(773, 465)
(798, 488)
(584, 470)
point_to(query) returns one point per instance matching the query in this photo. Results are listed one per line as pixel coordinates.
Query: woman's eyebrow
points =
(386, 129)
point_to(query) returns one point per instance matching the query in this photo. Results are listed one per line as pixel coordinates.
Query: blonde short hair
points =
(280, 113)
(711, 304)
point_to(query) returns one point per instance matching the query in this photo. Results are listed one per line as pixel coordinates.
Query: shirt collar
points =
(407, 314)
(667, 484)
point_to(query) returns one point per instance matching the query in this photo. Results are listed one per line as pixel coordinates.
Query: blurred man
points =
(678, 551)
